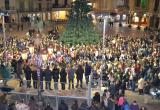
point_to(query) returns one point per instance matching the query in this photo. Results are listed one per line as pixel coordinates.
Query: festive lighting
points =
(135, 14)
(113, 41)
(136, 19)
(31, 48)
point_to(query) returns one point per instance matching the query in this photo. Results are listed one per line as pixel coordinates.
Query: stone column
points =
(131, 9)
(131, 5)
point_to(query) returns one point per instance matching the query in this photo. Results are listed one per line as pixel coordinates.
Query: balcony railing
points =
(141, 9)
(35, 10)
(62, 6)
(123, 6)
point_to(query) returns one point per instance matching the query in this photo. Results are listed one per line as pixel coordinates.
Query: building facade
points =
(45, 9)
(139, 12)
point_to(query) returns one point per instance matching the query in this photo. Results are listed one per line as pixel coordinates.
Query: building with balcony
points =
(138, 12)
(19, 9)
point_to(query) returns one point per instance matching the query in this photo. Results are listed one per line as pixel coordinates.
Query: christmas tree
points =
(79, 28)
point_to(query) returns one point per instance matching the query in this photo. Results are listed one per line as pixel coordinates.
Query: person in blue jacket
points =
(4, 73)
(125, 106)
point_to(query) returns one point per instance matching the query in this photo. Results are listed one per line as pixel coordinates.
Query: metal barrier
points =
(50, 90)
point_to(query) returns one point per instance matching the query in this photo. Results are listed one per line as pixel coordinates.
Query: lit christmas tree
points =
(79, 28)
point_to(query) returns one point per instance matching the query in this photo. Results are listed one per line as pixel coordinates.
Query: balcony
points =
(140, 9)
(123, 7)
(61, 6)
(35, 10)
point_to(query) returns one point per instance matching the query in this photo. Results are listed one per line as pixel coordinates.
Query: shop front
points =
(140, 19)
(59, 14)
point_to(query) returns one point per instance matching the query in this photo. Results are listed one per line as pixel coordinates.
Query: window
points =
(138, 3)
(39, 6)
(141, 3)
(156, 5)
(65, 2)
(21, 5)
(48, 6)
(7, 4)
(122, 2)
(56, 2)
(126, 2)
(30, 5)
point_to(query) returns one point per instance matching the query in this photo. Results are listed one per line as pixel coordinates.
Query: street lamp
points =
(4, 34)
(104, 32)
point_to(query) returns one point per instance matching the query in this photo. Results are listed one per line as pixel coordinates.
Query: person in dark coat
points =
(12, 106)
(74, 105)
(32, 104)
(19, 71)
(55, 73)
(48, 107)
(134, 106)
(63, 75)
(96, 97)
(63, 106)
(34, 78)
(79, 73)
(83, 106)
(71, 73)
(42, 75)
(14, 64)
(112, 89)
(87, 72)
(27, 71)
(48, 78)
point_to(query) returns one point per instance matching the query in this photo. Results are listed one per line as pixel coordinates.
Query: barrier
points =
(40, 90)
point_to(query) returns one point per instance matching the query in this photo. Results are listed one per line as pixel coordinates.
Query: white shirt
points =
(22, 106)
(141, 83)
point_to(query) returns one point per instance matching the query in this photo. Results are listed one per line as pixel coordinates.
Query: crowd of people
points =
(104, 102)
(125, 63)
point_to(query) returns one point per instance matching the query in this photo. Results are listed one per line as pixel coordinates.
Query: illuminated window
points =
(135, 14)
(136, 19)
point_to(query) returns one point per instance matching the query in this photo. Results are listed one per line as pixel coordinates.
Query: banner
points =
(143, 3)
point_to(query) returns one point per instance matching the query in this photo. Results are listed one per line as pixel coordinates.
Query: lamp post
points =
(38, 66)
(104, 32)
(4, 36)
